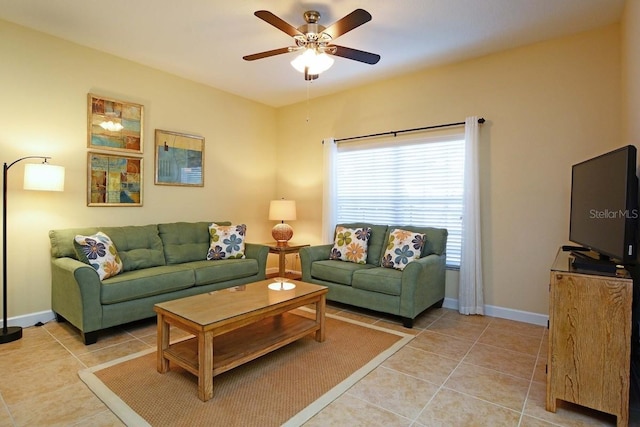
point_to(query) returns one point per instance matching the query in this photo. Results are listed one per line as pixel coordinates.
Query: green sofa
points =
(161, 262)
(405, 293)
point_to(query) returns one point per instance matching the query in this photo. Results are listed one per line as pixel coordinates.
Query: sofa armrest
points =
(75, 293)
(423, 284)
(259, 253)
(309, 254)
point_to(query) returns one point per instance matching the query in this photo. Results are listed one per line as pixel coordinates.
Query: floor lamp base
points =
(13, 333)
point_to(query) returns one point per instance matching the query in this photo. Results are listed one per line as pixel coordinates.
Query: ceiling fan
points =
(316, 40)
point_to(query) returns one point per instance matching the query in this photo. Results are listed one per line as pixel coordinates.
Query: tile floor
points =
(457, 371)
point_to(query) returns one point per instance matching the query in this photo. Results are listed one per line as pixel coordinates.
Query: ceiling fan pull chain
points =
(308, 108)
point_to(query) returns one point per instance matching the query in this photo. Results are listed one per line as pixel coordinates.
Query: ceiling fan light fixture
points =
(313, 61)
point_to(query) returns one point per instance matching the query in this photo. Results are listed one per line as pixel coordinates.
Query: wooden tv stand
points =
(589, 338)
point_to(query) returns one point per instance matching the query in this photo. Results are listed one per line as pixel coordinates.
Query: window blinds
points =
(418, 182)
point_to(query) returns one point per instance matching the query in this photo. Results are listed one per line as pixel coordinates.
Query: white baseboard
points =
(505, 313)
(275, 270)
(490, 310)
(30, 319)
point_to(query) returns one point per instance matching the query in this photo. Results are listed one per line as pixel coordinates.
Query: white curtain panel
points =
(329, 151)
(470, 291)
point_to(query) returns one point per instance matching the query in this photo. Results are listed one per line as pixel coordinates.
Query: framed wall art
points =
(114, 125)
(114, 180)
(179, 159)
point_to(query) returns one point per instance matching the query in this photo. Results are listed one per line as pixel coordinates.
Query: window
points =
(418, 182)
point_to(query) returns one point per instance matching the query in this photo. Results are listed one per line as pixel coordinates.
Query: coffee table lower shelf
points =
(244, 344)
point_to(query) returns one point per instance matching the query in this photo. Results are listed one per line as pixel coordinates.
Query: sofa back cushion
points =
(186, 241)
(376, 240)
(139, 246)
(436, 238)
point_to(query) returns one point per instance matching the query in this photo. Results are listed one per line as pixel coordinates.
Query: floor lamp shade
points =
(282, 210)
(43, 177)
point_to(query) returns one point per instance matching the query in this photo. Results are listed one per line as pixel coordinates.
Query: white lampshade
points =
(43, 177)
(282, 210)
(316, 62)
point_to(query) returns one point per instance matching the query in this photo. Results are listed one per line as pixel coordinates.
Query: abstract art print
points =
(114, 180)
(179, 159)
(114, 125)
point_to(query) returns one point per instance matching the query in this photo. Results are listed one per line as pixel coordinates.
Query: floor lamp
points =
(44, 177)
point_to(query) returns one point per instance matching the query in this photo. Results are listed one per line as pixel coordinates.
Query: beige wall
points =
(548, 106)
(44, 83)
(631, 72)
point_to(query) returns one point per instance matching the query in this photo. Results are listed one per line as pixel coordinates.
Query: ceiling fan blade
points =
(348, 23)
(266, 54)
(355, 54)
(279, 23)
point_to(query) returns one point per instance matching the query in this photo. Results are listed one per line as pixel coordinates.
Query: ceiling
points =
(205, 40)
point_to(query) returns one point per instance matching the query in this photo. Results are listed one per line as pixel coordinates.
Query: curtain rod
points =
(396, 132)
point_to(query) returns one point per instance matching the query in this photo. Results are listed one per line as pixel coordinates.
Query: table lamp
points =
(282, 210)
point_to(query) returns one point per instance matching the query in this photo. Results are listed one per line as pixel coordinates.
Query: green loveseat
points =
(161, 262)
(405, 293)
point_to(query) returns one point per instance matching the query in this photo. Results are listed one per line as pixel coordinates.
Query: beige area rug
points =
(285, 387)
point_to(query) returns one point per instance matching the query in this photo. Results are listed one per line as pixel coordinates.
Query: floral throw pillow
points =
(226, 241)
(351, 244)
(100, 253)
(402, 247)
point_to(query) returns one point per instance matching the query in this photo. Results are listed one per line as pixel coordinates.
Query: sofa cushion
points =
(336, 271)
(186, 241)
(226, 241)
(435, 242)
(100, 253)
(376, 240)
(351, 244)
(139, 246)
(207, 272)
(144, 283)
(383, 280)
(403, 246)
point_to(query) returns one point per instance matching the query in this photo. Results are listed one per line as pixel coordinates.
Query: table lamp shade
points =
(43, 177)
(282, 210)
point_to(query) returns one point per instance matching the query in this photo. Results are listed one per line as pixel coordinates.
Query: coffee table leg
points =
(205, 365)
(320, 309)
(163, 344)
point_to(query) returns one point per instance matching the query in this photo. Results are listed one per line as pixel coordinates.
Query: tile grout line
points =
(441, 387)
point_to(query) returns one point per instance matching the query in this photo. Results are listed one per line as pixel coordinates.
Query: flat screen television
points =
(604, 205)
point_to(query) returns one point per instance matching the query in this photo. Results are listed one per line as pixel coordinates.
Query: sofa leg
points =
(90, 337)
(59, 318)
(407, 322)
(439, 303)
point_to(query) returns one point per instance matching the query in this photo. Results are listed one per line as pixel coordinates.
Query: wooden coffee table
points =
(234, 326)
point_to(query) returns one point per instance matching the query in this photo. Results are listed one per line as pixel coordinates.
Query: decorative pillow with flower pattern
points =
(402, 247)
(227, 241)
(351, 244)
(100, 253)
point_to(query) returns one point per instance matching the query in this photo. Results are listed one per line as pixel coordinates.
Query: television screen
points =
(604, 204)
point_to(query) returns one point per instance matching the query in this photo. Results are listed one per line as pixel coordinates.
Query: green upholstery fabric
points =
(143, 283)
(207, 272)
(336, 271)
(138, 246)
(404, 293)
(379, 279)
(186, 241)
(161, 262)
